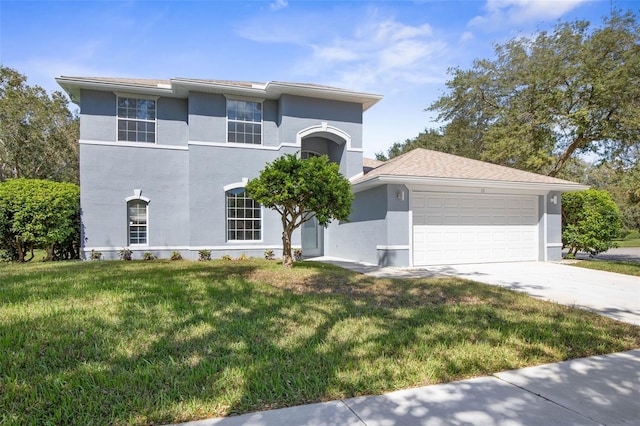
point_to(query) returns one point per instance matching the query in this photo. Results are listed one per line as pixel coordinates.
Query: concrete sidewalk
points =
(601, 390)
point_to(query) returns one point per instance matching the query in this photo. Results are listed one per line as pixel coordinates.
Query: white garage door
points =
(465, 228)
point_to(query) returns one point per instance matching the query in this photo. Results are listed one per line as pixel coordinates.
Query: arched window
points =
(137, 217)
(244, 216)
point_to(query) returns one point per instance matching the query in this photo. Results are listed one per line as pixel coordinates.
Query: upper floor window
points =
(136, 120)
(244, 120)
(137, 215)
(244, 216)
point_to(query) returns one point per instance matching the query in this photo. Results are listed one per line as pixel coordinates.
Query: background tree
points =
(300, 190)
(37, 213)
(590, 221)
(542, 101)
(38, 133)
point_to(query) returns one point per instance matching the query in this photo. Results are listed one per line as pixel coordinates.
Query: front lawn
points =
(628, 268)
(631, 240)
(159, 342)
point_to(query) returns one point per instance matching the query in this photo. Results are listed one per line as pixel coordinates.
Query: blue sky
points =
(399, 49)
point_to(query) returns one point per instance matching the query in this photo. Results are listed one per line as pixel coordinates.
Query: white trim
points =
(137, 195)
(191, 248)
(553, 245)
(410, 211)
(467, 183)
(133, 144)
(154, 121)
(243, 98)
(358, 176)
(545, 231)
(135, 96)
(396, 247)
(324, 127)
(238, 98)
(253, 146)
(235, 185)
(242, 145)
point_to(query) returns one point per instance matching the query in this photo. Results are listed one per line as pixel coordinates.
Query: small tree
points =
(590, 221)
(300, 190)
(39, 213)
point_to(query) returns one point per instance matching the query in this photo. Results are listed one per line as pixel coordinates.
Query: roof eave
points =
(180, 87)
(466, 183)
(73, 86)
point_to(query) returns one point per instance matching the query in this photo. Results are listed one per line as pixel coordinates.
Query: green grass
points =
(631, 240)
(159, 342)
(628, 268)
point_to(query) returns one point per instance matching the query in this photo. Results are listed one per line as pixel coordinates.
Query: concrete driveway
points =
(607, 293)
(614, 295)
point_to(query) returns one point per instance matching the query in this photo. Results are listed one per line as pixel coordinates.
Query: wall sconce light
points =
(401, 195)
(554, 199)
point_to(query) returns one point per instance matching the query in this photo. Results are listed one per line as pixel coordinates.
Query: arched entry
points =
(316, 141)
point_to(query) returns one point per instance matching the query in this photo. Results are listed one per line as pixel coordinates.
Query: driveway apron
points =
(614, 295)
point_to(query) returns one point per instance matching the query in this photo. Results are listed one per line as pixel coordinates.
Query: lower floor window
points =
(137, 212)
(244, 216)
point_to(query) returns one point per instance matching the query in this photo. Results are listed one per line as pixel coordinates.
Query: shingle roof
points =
(369, 164)
(424, 163)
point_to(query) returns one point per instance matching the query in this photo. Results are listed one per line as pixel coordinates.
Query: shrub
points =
(43, 214)
(176, 255)
(95, 255)
(590, 221)
(297, 254)
(204, 255)
(243, 257)
(147, 255)
(125, 254)
(226, 257)
(268, 254)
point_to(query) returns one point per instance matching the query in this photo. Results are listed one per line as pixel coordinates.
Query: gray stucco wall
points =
(98, 120)
(212, 168)
(367, 228)
(297, 113)
(111, 174)
(554, 226)
(97, 116)
(185, 182)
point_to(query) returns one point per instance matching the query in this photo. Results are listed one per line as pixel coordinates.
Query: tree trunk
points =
(287, 260)
(20, 250)
(579, 142)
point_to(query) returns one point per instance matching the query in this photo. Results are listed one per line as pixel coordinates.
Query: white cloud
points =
(374, 53)
(507, 12)
(279, 4)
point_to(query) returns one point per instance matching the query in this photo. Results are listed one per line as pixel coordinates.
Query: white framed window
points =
(137, 215)
(136, 119)
(244, 216)
(244, 121)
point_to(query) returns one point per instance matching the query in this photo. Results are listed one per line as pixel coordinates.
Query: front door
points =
(311, 238)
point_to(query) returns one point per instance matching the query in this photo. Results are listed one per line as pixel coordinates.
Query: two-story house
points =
(164, 163)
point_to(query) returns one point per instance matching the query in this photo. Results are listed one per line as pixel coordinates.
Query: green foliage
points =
(95, 255)
(544, 100)
(269, 255)
(226, 257)
(204, 255)
(176, 255)
(297, 254)
(300, 190)
(42, 214)
(147, 255)
(38, 133)
(125, 254)
(590, 221)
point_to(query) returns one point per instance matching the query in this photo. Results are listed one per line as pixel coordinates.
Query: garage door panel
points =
(473, 228)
